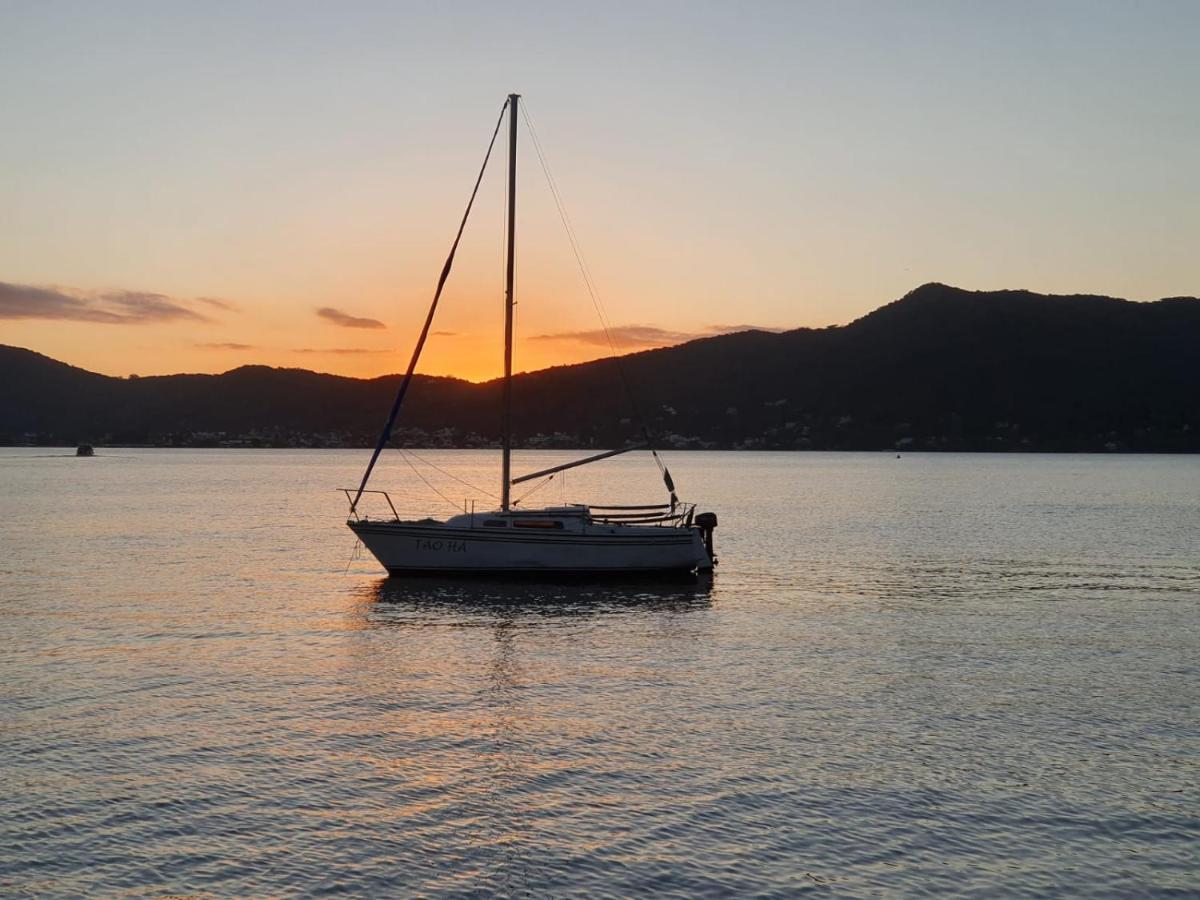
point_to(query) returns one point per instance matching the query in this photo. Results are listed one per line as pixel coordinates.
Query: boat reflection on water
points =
(471, 677)
(506, 598)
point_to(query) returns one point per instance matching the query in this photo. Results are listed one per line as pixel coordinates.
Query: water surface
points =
(936, 673)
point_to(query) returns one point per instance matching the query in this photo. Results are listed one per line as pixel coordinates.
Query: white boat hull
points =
(413, 547)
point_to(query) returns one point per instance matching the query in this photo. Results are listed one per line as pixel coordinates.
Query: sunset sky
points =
(193, 187)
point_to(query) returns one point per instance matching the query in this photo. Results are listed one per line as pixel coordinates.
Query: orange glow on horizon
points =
(474, 355)
(121, 333)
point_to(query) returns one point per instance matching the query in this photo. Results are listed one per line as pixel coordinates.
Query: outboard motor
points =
(707, 523)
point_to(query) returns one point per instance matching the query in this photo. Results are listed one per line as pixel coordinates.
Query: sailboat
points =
(581, 539)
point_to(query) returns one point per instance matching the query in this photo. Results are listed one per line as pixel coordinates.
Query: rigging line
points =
(437, 295)
(532, 490)
(570, 230)
(432, 465)
(353, 556)
(605, 323)
(428, 483)
(585, 270)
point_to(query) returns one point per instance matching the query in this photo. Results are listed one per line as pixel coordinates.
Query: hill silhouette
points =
(940, 368)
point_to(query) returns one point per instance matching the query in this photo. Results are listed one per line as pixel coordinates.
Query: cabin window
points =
(537, 523)
(494, 523)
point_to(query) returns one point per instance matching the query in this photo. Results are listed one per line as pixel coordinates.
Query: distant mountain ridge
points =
(940, 368)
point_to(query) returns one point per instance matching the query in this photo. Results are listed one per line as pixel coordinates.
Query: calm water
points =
(930, 674)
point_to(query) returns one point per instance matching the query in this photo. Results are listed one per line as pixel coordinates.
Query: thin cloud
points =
(340, 351)
(732, 329)
(337, 317)
(622, 335)
(228, 345)
(23, 301)
(631, 337)
(443, 334)
(220, 304)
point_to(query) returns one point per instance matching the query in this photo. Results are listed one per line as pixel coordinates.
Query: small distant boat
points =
(85, 450)
(572, 539)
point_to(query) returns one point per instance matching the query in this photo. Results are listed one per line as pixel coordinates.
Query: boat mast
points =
(506, 463)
